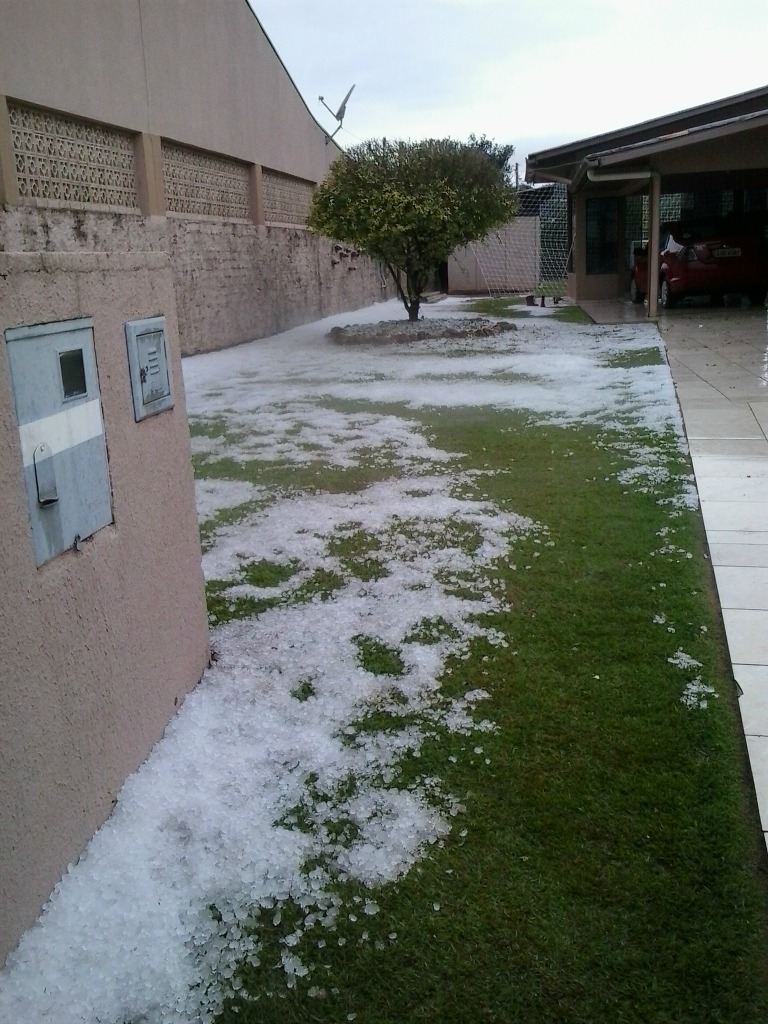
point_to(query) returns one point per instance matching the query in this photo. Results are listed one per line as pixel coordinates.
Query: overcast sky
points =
(535, 74)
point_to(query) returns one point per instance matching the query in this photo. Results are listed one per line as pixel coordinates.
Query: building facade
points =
(170, 126)
(707, 160)
(156, 167)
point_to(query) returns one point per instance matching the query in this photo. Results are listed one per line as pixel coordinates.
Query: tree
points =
(410, 204)
(499, 153)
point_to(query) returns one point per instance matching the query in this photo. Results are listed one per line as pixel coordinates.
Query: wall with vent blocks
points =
(66, 160)
(156, 169)
(212, 140)
(233, 281)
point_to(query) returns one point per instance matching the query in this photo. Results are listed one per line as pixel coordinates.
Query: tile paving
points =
(719, 363)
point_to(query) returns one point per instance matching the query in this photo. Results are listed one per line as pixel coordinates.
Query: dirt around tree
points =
(403, 331)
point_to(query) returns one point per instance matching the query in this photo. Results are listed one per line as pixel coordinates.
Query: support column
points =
(579, 257)
(149, 175)
(654, 232)
(256, 194)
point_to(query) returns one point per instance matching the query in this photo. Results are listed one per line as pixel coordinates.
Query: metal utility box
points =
(150, 369)
(61, 430)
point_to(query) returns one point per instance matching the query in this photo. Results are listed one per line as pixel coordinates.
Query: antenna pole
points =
(326, 106)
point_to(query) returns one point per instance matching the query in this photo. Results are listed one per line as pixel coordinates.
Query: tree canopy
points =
(410, 204)
(500, 153)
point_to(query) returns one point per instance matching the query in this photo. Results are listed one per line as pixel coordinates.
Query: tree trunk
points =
(414, 285)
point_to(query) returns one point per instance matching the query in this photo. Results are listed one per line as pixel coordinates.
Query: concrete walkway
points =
(719, 363)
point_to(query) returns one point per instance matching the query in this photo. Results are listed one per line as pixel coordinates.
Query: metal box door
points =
(61, 429)
(150, 368)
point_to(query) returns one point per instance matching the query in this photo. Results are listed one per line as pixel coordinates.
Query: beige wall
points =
(507, 259)
(200, 72)
(598, 286)
(250, 282)
(97, 648)
(233, 281)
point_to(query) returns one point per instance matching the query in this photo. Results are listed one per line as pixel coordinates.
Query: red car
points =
(715, 258)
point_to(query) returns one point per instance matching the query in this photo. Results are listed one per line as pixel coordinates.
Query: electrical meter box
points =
(61, 430)
(150, 368)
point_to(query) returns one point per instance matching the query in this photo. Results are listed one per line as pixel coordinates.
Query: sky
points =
(531, 74)
(223, 813)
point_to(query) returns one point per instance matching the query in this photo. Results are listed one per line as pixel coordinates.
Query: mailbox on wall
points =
(61, 430)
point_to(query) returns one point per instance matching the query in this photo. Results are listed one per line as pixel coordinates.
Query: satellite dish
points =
(339, 115)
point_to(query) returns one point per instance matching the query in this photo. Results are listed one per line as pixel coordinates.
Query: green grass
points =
(609, 866)
(378, 657)
(355, 551)
(267, 574)
(510, 307)
(504, 305)
(571, 315)
(214, 427)
(322, 585)
(225, 517)
(303, 691)
(223, 607)
(431, 631)
(642, 357)
(310, 477)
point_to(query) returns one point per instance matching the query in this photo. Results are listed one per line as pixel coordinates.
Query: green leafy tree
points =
(410, 204)
(500, 153)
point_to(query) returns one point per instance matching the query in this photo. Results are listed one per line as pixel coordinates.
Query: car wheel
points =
(666, 298)
(634, 292)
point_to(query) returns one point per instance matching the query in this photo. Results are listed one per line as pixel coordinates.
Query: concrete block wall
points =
(239, 282)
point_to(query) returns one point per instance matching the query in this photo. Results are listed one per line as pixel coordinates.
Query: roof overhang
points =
(703, 138)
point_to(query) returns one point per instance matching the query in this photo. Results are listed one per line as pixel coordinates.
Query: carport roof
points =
(637, 146)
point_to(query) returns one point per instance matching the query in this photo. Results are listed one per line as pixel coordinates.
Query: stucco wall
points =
(233, 281)
(97, 647)
(239, 282)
